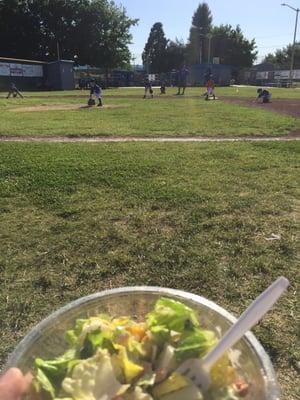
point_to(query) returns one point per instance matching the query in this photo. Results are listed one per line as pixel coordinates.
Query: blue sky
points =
(265, 20)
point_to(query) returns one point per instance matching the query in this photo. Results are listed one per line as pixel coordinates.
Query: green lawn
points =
(78, 218)
(173, 116)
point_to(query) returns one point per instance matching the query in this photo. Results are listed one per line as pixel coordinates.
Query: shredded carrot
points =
(138, 331)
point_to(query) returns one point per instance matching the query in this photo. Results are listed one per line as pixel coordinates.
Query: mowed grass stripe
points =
(79, 218)
(137, 117)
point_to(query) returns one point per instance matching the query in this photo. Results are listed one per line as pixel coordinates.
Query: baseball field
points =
(218, 219)
(125, 113)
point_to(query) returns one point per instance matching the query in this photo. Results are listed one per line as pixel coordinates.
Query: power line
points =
(274, 45)
(272, 36)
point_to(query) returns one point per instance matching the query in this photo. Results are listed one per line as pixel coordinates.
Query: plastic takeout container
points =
(46, 340)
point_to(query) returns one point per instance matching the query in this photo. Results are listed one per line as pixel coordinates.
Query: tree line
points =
(95, 32)
(205, 42)
(282, 58)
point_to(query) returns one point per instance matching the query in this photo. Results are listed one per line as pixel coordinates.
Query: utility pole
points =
(201, 47)
(294, 42)
(58, 52)
(210, 36)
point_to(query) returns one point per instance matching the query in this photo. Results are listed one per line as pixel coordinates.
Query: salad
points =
(122, 359)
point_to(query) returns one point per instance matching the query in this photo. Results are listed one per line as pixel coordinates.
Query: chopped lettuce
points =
(173, 316)
(196, 344)
(167, 360)
(146, 380)
(121, 359)
(52, 372)
(42, 385)
(93, 379)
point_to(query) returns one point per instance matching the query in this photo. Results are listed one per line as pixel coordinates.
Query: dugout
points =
(36, 75)
(26, 74)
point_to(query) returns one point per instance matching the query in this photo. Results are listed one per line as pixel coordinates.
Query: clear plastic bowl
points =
(46, 340)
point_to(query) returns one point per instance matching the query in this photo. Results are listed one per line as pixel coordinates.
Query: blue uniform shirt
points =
(96, 89)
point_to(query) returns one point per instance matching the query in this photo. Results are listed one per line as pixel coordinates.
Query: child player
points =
(263, 95)
(182, 80)
(13, 91)
(96, 91)
(148, 87)
(210, 89)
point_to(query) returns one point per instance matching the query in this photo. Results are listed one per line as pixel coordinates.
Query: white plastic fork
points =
(198, 370)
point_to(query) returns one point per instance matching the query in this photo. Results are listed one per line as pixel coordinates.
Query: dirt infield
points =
(284, 106)
(59, 107)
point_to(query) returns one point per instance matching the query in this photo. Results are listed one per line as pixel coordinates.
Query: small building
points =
(36, 75)
(59, 75)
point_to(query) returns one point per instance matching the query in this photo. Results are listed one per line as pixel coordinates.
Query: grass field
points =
(78, 218)
(248, 91)
(133, 116)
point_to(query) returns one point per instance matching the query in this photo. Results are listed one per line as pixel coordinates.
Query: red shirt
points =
(210, 84)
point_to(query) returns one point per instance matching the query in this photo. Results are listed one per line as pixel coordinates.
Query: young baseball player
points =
(182, 80)
(148, 88)
(96, 92)
(210, 89)
(163, 87)
(263, 95)
(14, 91)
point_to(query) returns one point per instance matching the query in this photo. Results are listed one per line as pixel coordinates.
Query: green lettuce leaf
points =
(196, 344)
(172, 315)
(55, 370)
(93, 379)
(42, 386)
(94, 340)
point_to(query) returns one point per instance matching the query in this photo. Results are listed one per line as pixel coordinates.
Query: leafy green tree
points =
(197, 48)
(19, 30)
(282, 57)
(230, 45)
(97, 31)
(154, 55)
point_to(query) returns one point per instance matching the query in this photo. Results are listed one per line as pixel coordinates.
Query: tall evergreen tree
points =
(154, 55)
(201, 26)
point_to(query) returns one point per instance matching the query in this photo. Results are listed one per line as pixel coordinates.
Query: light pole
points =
(197, 28)
(209, 36)
(294, 43)
(58, 50)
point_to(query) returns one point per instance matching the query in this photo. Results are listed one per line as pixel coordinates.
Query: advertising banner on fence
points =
(16, 70)
(4, 69)
(31, 71)
(285, 75)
